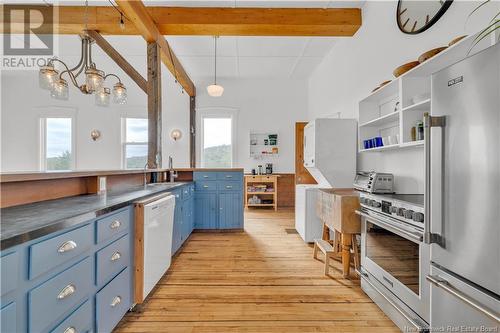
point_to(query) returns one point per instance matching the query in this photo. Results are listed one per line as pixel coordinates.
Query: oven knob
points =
(376, 204)
(394, 209)
(409, 214)
(401, 212)
(418, 217)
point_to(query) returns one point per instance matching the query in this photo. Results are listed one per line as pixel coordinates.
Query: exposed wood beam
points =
(209, 21)
(118, 59)
(138, 13)
(192, 131)
(154, 105)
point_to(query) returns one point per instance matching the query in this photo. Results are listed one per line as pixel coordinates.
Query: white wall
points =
(261, 106)
(23, 102)
(356, 65)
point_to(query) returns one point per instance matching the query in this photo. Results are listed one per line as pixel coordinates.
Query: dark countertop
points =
(20, 224)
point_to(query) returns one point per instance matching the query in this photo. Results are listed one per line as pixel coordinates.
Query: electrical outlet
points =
(102, 184)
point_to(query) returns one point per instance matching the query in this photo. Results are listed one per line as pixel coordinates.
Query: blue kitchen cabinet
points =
(230, 210)
(218, 200)
(183, 215)
(177, 232)
(58, 290)
(205, 214)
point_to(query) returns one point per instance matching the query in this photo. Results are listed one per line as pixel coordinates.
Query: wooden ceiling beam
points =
(142, 20)
(210, 21)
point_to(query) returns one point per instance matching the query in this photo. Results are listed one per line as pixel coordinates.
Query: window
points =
(57, 144)
(217, 147)
(135, 145)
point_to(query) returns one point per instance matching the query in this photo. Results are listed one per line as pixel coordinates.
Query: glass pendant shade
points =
(119, 93)
(94, 79)
(60, 90)
(215, 90)
(47, 76)
(102, 97)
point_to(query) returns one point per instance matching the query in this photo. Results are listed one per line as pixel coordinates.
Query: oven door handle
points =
(413, 236)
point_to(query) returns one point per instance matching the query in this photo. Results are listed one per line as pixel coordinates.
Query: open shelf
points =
(380, 148)
(260, 193)
(412, 144)
(386, 119)
(420, 106)
(260, 205)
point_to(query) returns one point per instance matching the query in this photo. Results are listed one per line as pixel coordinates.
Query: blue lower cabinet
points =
(59, 295)
(177, 231)
(230, 210)
(186, 224)
(8, 319)
(9, 269)
(113, 301)
(205, 210)
(79, 321)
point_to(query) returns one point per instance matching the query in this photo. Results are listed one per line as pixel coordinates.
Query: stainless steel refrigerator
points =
(462, 145)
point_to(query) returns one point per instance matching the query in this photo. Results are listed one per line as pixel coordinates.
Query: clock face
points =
(415, 16)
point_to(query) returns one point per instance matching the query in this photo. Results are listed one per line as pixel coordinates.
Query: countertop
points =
(23, 223)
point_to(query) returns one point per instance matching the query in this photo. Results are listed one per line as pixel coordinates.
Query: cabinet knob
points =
(70, 329)
(229, 186)
(205, 176)
(116, 300)
(116, 256)
(115, 224)
(66, 291)
(67, 246)
(205, 186)
(229, 176)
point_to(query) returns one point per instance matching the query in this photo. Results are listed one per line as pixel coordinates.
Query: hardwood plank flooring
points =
(260, 280)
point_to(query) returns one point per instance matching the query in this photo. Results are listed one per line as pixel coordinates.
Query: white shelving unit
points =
(396, 107)
(259, 148)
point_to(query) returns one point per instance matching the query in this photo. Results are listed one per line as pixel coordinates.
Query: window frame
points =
(43, 116)
(216, 112)
(124, 140)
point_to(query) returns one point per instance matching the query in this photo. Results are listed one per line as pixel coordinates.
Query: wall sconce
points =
(95, 134)
(176, 134)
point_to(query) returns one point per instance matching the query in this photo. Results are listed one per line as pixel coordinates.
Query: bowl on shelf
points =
(381, 85)
(431, 53)
(456, 40)
(405, 68)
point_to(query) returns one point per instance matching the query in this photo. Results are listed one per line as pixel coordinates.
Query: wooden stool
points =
(343, 245)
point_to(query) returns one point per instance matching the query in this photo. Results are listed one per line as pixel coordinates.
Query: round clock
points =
(415, 16)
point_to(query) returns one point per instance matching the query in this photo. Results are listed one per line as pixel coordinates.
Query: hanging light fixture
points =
(215, 90)
(50, 78)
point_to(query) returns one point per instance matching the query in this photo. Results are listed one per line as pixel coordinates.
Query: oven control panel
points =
(396, 208)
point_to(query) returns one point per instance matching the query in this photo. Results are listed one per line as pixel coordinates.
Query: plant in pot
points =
(491, 28)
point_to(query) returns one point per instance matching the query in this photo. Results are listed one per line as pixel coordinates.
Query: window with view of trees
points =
(217, 150)
(58, 144)
(135, 146)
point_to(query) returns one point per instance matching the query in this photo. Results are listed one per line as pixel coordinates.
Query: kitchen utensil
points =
(405, 68)
(431, 53)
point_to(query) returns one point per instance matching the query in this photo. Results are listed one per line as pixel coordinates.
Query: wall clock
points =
(415, 16)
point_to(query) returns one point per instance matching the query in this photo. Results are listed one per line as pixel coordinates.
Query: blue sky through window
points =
(58, 134)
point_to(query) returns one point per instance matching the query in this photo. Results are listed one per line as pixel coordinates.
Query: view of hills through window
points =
(217, 142)
(58, 144)
(136, 143)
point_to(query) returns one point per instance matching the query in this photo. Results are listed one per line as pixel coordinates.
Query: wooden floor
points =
(260, 280)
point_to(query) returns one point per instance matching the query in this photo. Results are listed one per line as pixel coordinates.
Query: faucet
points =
(145, 177)
(172, 173)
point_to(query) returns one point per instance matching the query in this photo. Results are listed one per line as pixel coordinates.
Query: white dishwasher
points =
(158, 217)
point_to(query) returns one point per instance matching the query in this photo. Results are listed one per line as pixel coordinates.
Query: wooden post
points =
(192, 131)
(154, 105)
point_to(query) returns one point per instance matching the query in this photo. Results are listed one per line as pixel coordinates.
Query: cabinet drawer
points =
(8, 319)
(52, 252)
(112, 302)
(205, 176)
(51, 300)
(78, 321)
(230, 175)
(229, 185)
(205, 186)
(113, 225)
(9, 266)
(112, 259)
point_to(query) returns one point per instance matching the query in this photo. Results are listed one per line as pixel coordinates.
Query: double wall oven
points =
(394, 258)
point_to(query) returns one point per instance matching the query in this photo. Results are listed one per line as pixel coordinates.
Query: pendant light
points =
(215, 90)
(50, 78)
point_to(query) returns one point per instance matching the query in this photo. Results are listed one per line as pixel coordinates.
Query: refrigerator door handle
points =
(429, 122)
(445, 285)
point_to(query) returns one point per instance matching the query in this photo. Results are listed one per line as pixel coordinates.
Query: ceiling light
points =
(51, 79)
(215, 90)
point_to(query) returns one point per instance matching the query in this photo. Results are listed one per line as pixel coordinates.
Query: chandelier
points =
(50, 78)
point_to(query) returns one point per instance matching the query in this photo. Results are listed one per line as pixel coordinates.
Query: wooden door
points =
(302, 176)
